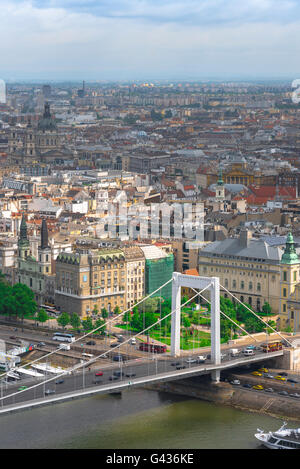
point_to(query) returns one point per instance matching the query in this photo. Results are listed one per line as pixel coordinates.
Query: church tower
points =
(220, 189)
(289, 278)
(23, 241)
(44, 251)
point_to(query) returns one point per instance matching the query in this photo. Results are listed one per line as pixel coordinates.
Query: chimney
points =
(245, 237)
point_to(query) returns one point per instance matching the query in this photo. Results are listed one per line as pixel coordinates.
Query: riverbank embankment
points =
(224, 393)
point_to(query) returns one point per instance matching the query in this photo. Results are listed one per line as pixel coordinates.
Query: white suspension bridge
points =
(137, 372)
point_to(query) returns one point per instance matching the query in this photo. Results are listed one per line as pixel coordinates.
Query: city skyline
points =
(134, 40)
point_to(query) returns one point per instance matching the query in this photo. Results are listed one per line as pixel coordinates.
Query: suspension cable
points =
(245, 306)
(230, 319)
(108, 322)
(92, 360)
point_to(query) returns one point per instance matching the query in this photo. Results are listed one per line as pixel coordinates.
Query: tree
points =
(184, 299)
(75, 321)
(137, 322)
(63, 320)
(150, 305)
(6, 306)
(104, 313)
(266, 309)
(87, 324)
(186, 322)
(99, 323)
(23, 303)
(126, 317)
(117, 310)
(42, 316)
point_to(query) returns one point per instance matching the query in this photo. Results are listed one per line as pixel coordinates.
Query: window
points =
(284, 276)
(250, 285)
(258, 287)
(284, 292)
(295, 276)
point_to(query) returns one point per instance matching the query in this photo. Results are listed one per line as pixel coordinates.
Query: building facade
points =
(34, 272)
(248, 268)
(90, 282)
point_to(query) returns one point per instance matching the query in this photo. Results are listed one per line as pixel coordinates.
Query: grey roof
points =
(256, 249)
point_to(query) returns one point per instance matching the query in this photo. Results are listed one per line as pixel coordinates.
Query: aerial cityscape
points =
(149, 228)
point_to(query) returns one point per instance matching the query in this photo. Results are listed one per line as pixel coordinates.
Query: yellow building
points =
(103, 278)
(85, 282)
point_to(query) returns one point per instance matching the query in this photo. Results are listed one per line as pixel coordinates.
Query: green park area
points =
(195, 321)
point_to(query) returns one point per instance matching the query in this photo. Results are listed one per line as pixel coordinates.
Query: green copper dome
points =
(290, 256)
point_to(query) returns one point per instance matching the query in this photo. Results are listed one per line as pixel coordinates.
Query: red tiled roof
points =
(191, 272)
(269, 192)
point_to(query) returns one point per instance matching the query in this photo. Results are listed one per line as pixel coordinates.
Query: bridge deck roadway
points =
(126, 383)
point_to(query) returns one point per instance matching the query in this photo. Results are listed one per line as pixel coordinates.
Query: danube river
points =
(137, 419)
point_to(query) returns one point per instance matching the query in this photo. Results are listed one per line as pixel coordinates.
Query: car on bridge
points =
(263, 370)
(130, 375)
(295, 394)
(256, 373)
(99, 373)
(118, 373)
(292, 380)
(59, 381)
(258, 387)
(191, 360)
(269, 390)
(280, 378)
(283, 393)
(235, 382)
(180, 367)
(22, 388)
(201, 359)
(49, 391)
(118, 358)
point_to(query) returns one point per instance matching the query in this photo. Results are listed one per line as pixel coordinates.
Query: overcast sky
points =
(140, 39)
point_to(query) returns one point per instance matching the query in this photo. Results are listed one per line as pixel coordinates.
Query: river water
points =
(137, 419)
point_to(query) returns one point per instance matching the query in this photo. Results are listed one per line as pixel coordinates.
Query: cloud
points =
(141, 38)
(191, 11)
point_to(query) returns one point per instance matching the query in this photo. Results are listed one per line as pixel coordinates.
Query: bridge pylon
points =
(211, 284)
